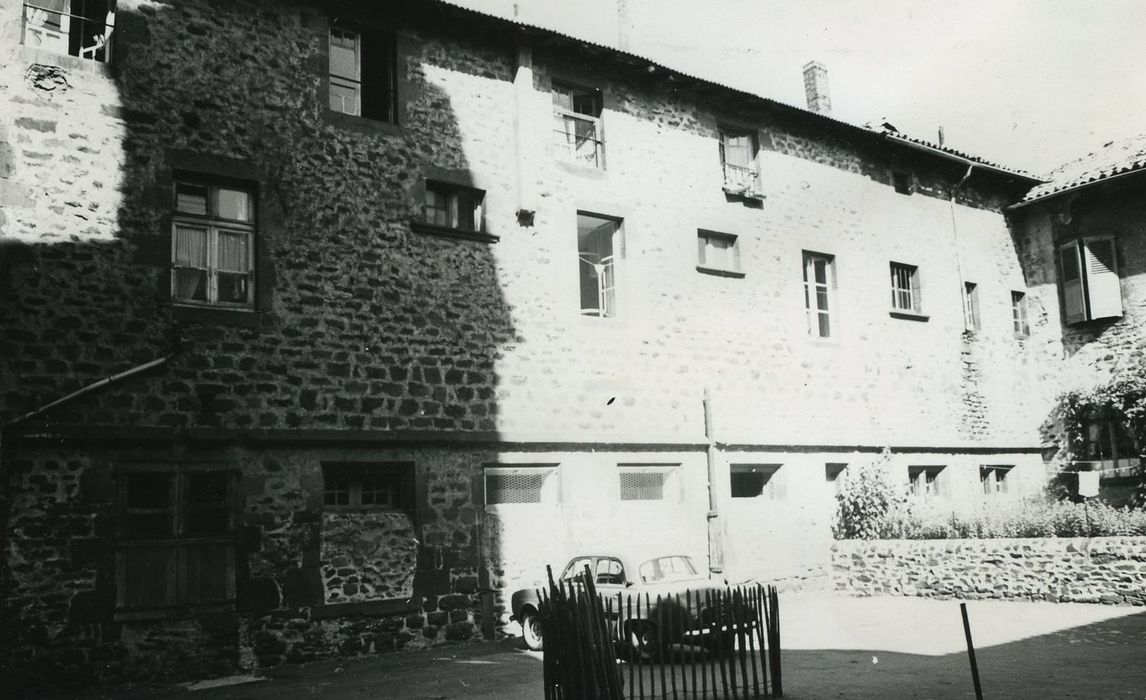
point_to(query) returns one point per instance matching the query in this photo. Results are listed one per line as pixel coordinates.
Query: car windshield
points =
(666, 569)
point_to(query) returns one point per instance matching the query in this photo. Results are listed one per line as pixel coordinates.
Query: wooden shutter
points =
(146, 576)
(1070, 276)
(916, 291)
(206, 573)
(1103, 287)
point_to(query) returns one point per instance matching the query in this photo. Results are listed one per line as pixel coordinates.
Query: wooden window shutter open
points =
(1103, 287)
(1070, 274)
(916, 292)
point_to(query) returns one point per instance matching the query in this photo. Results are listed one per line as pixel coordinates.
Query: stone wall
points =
(1076, 570)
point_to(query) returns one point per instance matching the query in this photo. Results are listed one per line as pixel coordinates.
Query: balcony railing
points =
(578, 139)
(48, 26)
(739, 179)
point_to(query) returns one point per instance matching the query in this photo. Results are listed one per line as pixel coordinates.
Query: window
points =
(994, 479)
(518, 485)
(756, 481)
(175, 549)
(363, 74)
(926, 482)
(738, 160)
(819, 283)
(452, 206)
(1019, 320)
(599, 246)
(577, 125)
(647, 483)
(1088, 277)
(212, 244)
(80, 28)
(905, 295)
(718, 252)
(835, 475)
(610, 572)
(902, 182)
(667, 569)
(371, 485)
(1109, 441)
(971, 306)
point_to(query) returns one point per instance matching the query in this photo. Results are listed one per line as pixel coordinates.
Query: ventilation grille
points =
(517, 486)
(642, 485)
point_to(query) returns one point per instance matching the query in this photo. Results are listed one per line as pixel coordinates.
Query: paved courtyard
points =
(834, 648)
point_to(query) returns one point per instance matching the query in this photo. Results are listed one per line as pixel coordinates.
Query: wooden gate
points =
(712, 643)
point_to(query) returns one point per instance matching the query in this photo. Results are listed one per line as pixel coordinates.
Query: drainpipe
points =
(955, 239)
(715, 533)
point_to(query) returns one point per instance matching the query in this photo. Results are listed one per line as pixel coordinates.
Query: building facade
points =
(321, 329)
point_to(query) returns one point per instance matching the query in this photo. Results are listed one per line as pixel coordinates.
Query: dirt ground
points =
(834, 647)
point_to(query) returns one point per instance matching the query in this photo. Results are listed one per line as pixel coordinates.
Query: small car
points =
(626, 579)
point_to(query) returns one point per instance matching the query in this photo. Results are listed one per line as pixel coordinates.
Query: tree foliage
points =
(870, 503)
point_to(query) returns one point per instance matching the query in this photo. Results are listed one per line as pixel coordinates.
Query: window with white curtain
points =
(212, 244)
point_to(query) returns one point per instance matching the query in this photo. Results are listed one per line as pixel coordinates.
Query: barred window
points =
(521, 485)
(905, 294)
(368, 485)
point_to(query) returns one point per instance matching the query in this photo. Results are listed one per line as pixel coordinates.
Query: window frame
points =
(901, 272)
(376, 73)
(356, 475)
(703, 237)
(1020, 315)
(933, 485)
(71, 28)
(608, 287)
(972, 318)
(454, 195)
(995, 479)
(565, 149)
(177, 543)
(810, 258)
(741, 180)
(1078, 296)
(213, 224)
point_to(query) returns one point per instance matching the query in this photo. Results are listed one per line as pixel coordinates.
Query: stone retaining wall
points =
(1076, 570)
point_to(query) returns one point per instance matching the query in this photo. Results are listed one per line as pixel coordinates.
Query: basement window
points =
(835, 476)
(368, 486)
(637, 482)
(363, 75)
(995, 479)
(757, 481)
(1089, 283)
(927, 482)
(521, 485)
(80, 28)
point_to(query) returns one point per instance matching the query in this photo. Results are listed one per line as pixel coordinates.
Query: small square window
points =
(757, 481)
(835, 475)
(902, 182)
(971, 306)
(80, 28)
(994, 479)
(927, 482)
(212, 244)
(453, 207)
(577, 124)
(370, 485)
(363, 73)
(905, 292)
(1019, 321)
(718, 252)
(521, 485)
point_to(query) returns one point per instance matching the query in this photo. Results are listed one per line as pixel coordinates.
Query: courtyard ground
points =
(834, 647)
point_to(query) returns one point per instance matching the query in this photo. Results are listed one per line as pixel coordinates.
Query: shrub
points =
(870, 504)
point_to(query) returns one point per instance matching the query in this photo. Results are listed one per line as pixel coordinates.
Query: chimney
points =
(816, 88)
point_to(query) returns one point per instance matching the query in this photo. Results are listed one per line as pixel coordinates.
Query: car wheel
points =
(645, 642)
(531, 630)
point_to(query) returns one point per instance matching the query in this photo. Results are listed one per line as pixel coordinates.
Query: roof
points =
(1114, 159)
(952, 154)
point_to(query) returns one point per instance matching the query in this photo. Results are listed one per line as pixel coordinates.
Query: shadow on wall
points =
(310, 310)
